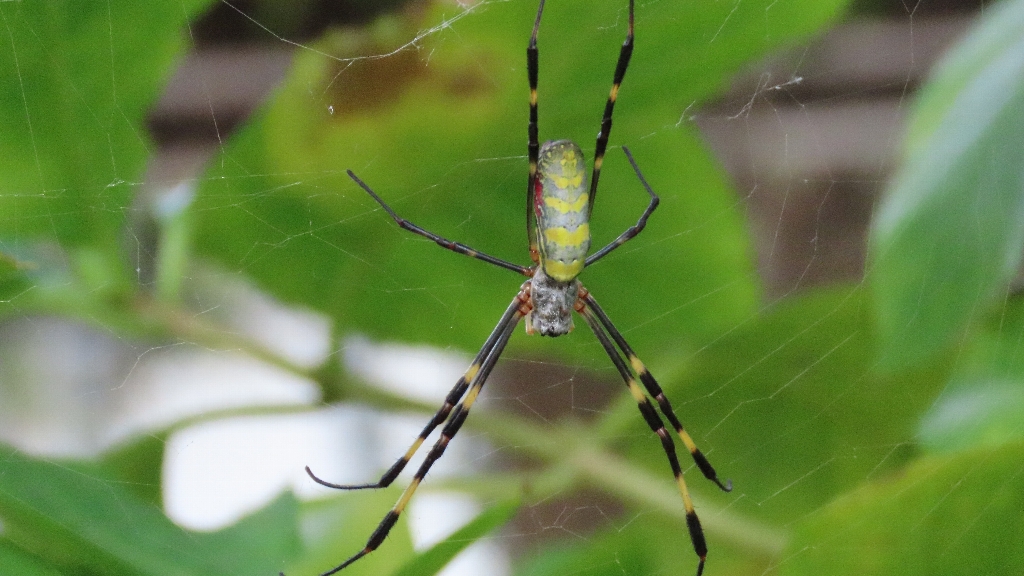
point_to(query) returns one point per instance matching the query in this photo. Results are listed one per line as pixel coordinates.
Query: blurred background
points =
(196, 302)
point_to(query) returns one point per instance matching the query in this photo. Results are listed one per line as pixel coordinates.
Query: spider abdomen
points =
(561, 203)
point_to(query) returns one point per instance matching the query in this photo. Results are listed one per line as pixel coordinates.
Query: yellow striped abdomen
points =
(561, 204)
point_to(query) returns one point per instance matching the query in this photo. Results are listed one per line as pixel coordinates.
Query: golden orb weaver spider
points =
(558, 207)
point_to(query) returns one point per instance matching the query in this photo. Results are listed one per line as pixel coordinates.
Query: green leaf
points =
(791, 408)
(946, 515)
(632, 545)
(13, 279)
(433, 560)
(974, 413)
(139, 464)
(75, 84)
(983, 401)
(78, 518)
(950, 232)
(336, 528)
(258, 544)
(15, 561)
(438, 129)
(644, 546)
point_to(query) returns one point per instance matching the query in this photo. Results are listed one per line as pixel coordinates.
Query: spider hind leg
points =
(476, 375)
(602, 327)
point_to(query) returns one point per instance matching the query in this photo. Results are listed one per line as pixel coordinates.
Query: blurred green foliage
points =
(868, 429)
(78, 518)
(950, 232)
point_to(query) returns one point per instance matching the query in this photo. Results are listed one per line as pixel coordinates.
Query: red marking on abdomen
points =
(538, 195)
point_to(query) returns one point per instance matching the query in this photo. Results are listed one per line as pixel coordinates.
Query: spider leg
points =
(583, 306)
(606, 121)
(453, 397)
(632, 231)
(442, 242)
(504, 330)
(656, 392)
(533, 147)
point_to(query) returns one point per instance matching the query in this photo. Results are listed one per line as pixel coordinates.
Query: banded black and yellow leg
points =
(451, 428)
(636, 229)
(457, 247)
(606, 121)
(656, 424)
(533, 145)
(658, 394)
(454, 396)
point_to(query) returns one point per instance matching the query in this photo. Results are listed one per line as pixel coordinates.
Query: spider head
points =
(561, 204)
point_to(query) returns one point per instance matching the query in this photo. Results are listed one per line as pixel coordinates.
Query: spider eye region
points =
(562, 206)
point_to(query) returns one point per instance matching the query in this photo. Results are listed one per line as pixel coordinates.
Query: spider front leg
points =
(586, 306)
(445, 243)
(490, 352)
(625, 53)
(533, 143)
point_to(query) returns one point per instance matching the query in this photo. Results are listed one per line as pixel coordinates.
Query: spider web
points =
(280, 340)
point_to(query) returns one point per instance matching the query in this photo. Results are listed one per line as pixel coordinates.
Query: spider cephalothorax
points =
(559, 202)
(553, 302)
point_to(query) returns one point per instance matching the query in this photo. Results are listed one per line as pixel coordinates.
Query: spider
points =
(558, 207)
